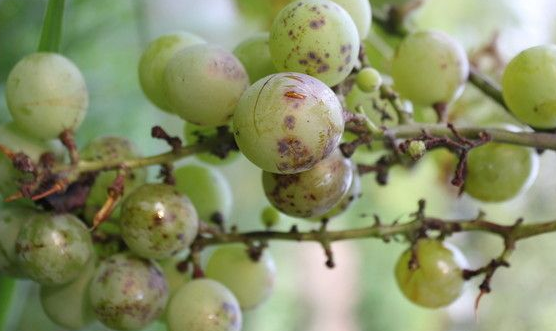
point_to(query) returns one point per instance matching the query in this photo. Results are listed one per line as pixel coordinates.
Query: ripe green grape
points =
(360, 12)
(250, 281)
(203, 305)
(498, 172)
(313, 192)
(157, 221)
(254, 54)
(69, 305)
(172, 273)
(128, 292)
(368, 80)
(203, 84)
(353, 193)
(430, 67)
(53, 249)
(287, 122)
(154, 60)
(194, 134)
(528, 86)
(378, 110)
(315, 37)
(12, 220)
(208, 190)
(46, 94)
(437, 281)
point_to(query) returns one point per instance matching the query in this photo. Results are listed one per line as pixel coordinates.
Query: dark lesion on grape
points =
(295, 152)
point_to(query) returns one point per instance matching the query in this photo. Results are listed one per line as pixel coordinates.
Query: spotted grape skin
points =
(128, 292)
(204, 305)
(529, 86)
(430, 68)
(203, 84)
(287, 122)
(313, 192)
(194, 134)
(315, 37)
(53, 249)
(354, 192)
(158, 221)
(12, 220)
(361, 13)
(437, 279)
(254, 54)
(46, 94)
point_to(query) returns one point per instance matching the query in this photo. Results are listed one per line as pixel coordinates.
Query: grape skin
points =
(353, 193)
(378, 110)
(368, 80)
(12, 220)
(254, 54)
(361, 13)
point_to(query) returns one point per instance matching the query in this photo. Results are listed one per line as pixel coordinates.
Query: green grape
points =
(528, 86)
(270, 216)
(429, 68)
(53, 249)
(194, 134)
(157, 221)
(128, 292)
(437, 281)
(155, 59)
(203, 84)
(172, 273)
(361, 13)
(12, 220)
(287, 122)
(313, 192)
(208, 190)
(203, 305)
(46, 94)
(315, 37)
(250, 281)
(498, 172)
(378, 110)
(368, 80)
(416, 149)
(353, 193)
(110, 148)
(69, 305)
(254, 54)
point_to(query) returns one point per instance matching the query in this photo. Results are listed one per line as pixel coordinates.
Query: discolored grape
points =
(353, 193)
(254, 54)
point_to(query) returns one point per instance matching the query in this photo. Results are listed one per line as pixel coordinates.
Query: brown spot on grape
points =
(327, 55)
(294, 95)
(312, 55)
(316, 24)
(303, 62)
(347, 60)
(297, 155)
(289, 122)
(323, 68)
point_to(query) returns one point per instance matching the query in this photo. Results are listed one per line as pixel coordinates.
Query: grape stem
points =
(51, 33)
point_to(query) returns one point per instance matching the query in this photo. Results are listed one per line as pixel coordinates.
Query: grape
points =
(46, 94)
(368, 80)
(155, 59)
(360, 12)
(203, 84)
(194, 134)
(209, 190)
(354, 192)
(254, 54)
(173, 275)
(270, 216)
(287, 122)
(498, 172)
(528, 86)
(203, 305)
(316, 37)
(312, 192)
(53, 249)
(128, 292)
(12, 220)
(378, 110)
(157, 221)
(429, 68)
(437, 281)
(68, 305)
(250, 281)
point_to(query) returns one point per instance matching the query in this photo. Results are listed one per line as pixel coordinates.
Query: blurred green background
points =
(105, 39)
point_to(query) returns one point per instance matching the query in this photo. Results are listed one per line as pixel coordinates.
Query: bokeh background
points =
(105, 39)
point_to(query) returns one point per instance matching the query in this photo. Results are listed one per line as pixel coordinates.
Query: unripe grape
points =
(378, 110)
(361, 13)
(194, 134)
(270, 216)
(172, 273)
(429, 68)
(250, 281)
(53, 249)
(416, 149)
(157, 221)
(529, 86)
(313, 192)
(254, 54)
(46, 94)
(203, 84)
(436, 281)
(203, 305)
(353, 193)
(128, 292)
(287, 122)
(154, 60)
(12, 220)
(315, 37)
(368, 80)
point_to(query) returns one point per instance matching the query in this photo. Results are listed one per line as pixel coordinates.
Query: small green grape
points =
(361, 13)
(313, 192)
(254, 54)
(175, 277)
(353, 193)
(270, 216)
(378, 110)
(194, 134)
(53, 249)
(315, 37)
(157, 221)
(437, 281)
(528, 86)
(203, 305)
(128, 292)
(12, 220)
(368, 80)
(250, 281)
(429, 67)
(154, 60)
(46, 94)
(416, 149)
(208, 190)
(203, 84)
(287, 122)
